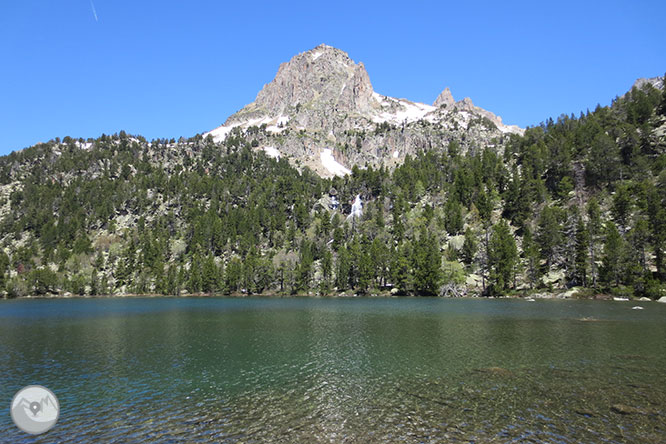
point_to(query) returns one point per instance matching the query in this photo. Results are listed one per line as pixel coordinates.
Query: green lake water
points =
(338, 370)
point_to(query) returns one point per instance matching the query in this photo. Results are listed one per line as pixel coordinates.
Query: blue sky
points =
(177, 68)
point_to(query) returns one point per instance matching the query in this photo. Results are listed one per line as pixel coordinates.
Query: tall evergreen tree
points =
(549, 235)
(613, 255)
(401, 271)
(470, 246)
(503, 256)
(531, 258)
(427, 263)
(343, 268)
(594, 228)
(581, 253)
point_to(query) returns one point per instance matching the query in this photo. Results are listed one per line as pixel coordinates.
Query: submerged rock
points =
(495, 371)
(585, 412)
(624, 409)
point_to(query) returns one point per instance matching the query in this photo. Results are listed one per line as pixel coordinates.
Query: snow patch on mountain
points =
(398, 111)
(279, 125)
(271, 151)
(274, 124)
(331, 164)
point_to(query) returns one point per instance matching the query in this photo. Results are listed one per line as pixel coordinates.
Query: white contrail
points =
(92, 5)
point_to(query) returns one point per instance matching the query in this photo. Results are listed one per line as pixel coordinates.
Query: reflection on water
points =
(304, 370)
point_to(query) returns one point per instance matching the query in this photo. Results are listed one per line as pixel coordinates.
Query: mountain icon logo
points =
(35, 409)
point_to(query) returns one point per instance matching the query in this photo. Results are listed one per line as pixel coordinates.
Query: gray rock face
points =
(657, 82)
(311, 87)
(445, 99)
(321, 99)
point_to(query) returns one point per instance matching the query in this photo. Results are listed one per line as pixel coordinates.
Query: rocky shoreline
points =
(526, 297)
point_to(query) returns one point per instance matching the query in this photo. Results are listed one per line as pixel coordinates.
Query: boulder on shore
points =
(662, 300)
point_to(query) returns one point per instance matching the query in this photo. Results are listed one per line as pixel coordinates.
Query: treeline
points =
(576, 202)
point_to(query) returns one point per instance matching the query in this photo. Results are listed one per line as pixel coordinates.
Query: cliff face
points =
(322, 100)
(311, 86)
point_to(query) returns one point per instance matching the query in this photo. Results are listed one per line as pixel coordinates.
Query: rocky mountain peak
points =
(445, 98)
(321, 79)
(320, 111)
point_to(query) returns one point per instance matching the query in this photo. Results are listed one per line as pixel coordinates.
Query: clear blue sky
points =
(171, 68)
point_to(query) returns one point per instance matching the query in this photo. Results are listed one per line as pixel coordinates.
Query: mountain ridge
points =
(324, 93)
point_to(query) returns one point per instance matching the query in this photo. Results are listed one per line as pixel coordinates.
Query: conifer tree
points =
(233, 275)
(326, 271)
(503, 255)
(401, 271)
(594, 228)
(427, 263)
(549, 235)
(195, 281)
(343, 267)
(453, 219)
(470, 246)
(613, 255)
(531, 257)
(581, 253)
(210, 276)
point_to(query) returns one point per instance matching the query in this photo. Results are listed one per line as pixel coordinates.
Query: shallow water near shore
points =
(338, 370)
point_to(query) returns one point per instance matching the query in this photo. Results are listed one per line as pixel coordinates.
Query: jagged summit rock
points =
(321, 111)
(445, 98)
(323, 78)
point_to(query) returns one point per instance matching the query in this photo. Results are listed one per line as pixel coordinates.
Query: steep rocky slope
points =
(322, 100)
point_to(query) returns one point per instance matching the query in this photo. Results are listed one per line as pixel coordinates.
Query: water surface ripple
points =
(338, 370)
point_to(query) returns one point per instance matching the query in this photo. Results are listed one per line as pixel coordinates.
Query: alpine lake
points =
(357, 370)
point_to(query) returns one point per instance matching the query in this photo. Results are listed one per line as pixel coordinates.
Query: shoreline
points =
(382, 295)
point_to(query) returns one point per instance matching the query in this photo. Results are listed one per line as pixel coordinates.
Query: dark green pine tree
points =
(531, 258)
(172, 286)
(381, 258)
(602, 164)
(549, 235)
(4, 268)
(636, 271)
(453, 218)
(194, 281)
(366, 271)
(326, 272)
(470, 246)
(304, 273)
(233, 275)
(401, 271)
(613, 255)
(594, 229)
(503, 257)
(427, 264)
(343, 268)
(210, 275)
(581, 253)
(622, 205)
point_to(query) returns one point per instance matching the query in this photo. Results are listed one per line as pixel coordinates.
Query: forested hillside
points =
(579, 203)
